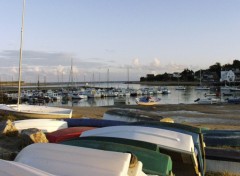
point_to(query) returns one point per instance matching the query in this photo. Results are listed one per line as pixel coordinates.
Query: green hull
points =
(196, 133)
(154, 163)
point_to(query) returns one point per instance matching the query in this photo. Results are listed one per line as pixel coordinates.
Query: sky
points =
(130, 38)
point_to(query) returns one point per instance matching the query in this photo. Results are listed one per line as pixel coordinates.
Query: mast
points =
(107, 77)
(20, 60)
(200, 78)
(128, 77)
(70, 84)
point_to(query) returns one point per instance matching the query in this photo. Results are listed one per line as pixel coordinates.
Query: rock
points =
(33, 135)
(10, 129)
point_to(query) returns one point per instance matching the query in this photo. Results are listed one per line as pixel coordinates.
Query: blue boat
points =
(93, 122)
(219, 138)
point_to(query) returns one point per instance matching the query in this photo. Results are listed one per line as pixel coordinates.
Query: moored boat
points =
(208, 100)
(180, 88)
(202, 88)
(148, 101)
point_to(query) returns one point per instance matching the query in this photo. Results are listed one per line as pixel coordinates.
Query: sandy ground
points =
(224, 116)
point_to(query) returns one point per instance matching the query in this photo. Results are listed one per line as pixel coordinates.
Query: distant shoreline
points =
(165, 83)
(14, 85)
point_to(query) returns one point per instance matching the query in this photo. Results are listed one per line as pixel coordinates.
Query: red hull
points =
(67, 133)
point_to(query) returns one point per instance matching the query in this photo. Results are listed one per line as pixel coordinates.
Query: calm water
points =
(175, 97)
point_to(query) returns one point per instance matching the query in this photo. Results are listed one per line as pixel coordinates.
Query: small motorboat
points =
(208, 100)
(148, 100)
(180, 88)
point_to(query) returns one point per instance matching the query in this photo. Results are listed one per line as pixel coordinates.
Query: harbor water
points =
(187, 96)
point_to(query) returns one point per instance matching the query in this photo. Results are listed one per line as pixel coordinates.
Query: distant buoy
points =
(167, 119)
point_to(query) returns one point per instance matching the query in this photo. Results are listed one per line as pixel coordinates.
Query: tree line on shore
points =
(190, 76)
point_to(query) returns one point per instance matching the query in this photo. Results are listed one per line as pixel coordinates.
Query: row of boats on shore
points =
(109, 147)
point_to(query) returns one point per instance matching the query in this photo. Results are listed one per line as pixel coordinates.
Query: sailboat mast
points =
(20, 60)
(128, 77)
(200, 78)
(71, 72)
(107, 77)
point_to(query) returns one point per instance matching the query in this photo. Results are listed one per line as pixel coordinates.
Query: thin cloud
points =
(54, 65)
(136, 63)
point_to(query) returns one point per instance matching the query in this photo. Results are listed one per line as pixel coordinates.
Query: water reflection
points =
(175, 97)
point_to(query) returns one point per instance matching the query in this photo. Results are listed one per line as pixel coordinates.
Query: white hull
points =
(34, 111)
(78, 96)
(164, 138)
(208, 101)
(202, 88)
(60, 159)
(180, 88)
(235, 89)
(46, 125)
(11, 168)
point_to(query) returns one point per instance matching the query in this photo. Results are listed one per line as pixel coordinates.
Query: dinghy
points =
(196, 133)
(66, 134)
(61, 159)
(164, 138)
(178, 146)
(34, 111)
(154, 163)
(11, 168)
(46, 125)
(148, 101)
(77, 122)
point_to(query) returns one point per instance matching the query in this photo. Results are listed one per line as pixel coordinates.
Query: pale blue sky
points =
(149, 36)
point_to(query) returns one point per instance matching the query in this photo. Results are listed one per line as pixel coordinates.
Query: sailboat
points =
(200, 87)
(32, 111)
(180, 87)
